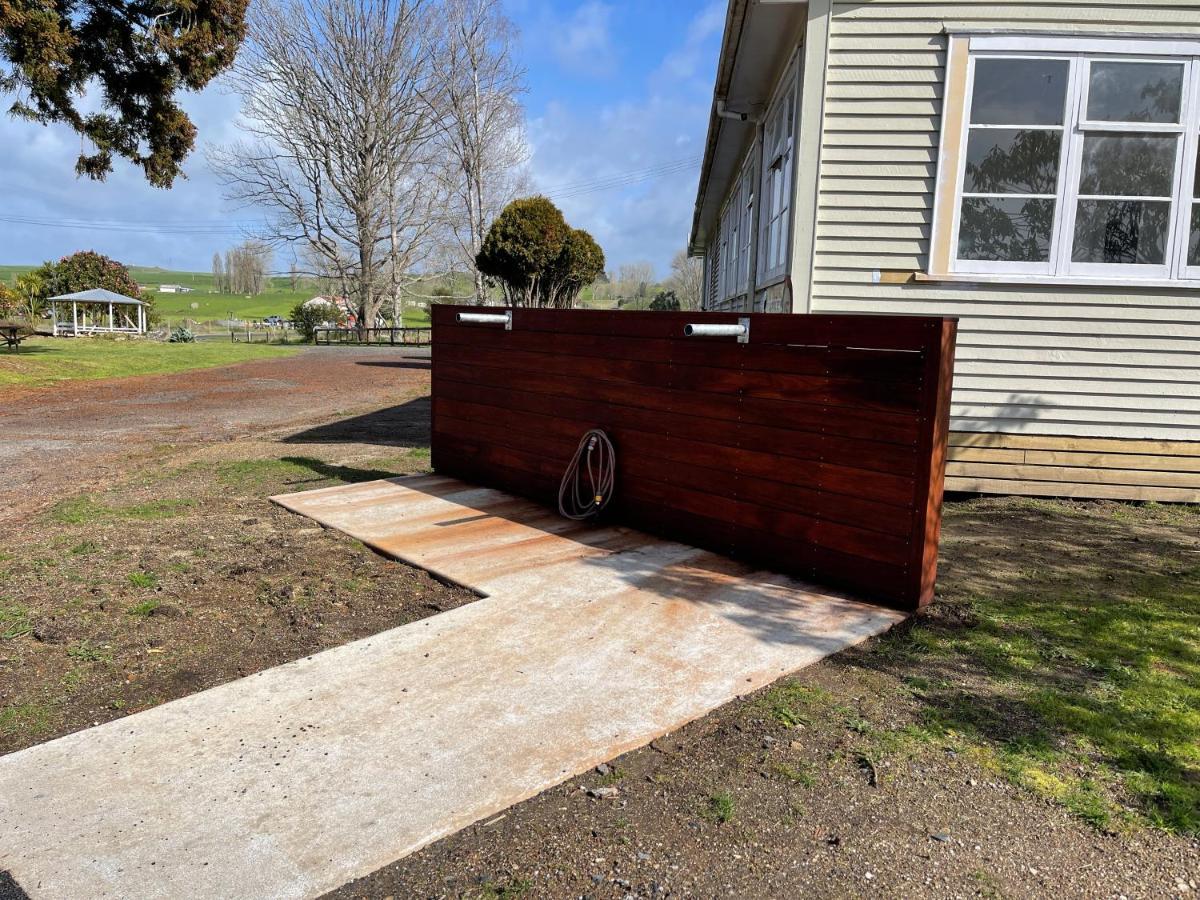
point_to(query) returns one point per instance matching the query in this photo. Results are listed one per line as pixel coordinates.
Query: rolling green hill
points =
(207, 305)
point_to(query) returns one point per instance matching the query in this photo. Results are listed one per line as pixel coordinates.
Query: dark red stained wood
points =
(876, 425)
(935, 413)
(817, 449)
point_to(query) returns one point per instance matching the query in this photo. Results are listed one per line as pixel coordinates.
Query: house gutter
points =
(735, 23)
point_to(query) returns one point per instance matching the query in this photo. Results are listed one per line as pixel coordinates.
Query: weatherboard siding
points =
(1093, 362)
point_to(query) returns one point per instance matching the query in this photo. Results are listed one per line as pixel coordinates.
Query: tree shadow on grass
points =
(405, 425)
(341, 474)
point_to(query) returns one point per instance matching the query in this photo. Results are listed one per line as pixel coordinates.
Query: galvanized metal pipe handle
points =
(504, 318)
(741, 330)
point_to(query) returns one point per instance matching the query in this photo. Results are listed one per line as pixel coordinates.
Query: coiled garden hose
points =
(596, 459)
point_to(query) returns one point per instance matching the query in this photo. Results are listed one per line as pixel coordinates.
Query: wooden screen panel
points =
(817, 448)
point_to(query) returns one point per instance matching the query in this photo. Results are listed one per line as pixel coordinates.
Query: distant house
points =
(174, 289)
(1026, 167)
(340, 303)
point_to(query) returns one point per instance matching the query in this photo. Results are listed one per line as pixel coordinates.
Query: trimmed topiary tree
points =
(536, 257)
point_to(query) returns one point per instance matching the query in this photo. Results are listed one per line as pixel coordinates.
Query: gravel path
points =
(85, 433)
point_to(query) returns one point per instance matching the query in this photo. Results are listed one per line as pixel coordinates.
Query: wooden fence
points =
(816, 448)
(409, 337)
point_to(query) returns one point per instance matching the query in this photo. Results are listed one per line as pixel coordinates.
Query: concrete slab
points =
(589, 642)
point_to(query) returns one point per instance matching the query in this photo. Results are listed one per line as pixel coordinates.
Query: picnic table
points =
(12, 335)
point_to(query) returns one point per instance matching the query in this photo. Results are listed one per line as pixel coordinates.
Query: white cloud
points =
(40, 162)
(583, 43)
(649, 219)
(693, 56)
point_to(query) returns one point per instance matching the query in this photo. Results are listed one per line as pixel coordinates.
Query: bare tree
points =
(483, 133)
(336, 98)
(687, 279)
(218, 273)
(634, 280)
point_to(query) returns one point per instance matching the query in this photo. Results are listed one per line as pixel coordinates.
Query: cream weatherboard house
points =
(1030, 167)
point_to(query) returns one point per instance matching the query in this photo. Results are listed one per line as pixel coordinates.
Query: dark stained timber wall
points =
(817, 448)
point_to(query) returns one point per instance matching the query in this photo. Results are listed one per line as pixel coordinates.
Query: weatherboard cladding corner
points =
(1065, 385)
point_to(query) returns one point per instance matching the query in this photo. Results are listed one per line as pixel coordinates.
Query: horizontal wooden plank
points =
(558, 438)
(779, 386)
(975, 485)
(875, 425)
(791, 358)
(1074, 475)
(1074, 444)
(803, 439)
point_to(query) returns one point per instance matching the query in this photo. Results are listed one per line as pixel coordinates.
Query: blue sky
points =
(618, 102)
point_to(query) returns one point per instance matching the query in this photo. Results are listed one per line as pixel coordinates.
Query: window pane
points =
(1009, 161)
(1129, 232)
(1194, 239)
(1131, 165)
(1135, 92)
(1019, 91)
(1000, 229)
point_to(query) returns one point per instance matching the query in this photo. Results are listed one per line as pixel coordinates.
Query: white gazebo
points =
(88, 313)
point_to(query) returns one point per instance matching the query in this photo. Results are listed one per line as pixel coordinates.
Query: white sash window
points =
(1070, 159)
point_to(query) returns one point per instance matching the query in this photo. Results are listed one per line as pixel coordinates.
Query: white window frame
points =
(1080, 52)
(776, 195)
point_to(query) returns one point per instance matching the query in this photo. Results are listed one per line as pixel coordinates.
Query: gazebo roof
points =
(99, 295)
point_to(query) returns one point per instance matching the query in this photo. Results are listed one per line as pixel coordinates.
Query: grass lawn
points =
(1063, 654)
(45, 361)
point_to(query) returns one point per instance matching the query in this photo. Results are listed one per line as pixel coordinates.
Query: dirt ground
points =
(65, 438)
(140, 561)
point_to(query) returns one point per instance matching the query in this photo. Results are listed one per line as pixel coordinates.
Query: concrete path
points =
(590, 642)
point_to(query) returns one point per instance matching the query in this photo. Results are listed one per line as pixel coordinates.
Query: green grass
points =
(14, 622)
(87, 509)
(1077, 675)
(720, 807)
(30, 718)
(144, 609)
(46, 361)
(291, 471)
(205, 304)
(86, 651)
(143, 580)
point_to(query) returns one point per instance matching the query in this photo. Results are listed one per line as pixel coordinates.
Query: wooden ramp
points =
(588, 642)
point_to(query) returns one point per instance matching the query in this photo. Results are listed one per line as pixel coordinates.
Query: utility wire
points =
(201, 229)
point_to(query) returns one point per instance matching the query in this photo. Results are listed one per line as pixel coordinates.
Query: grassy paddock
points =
(205, 304)
(44, 361)
(1062, 654)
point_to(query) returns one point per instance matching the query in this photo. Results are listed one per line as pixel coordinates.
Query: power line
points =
(180, 228)
(631, 173)
(564, 191)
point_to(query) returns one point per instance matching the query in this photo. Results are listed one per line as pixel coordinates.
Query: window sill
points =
(1053, 281)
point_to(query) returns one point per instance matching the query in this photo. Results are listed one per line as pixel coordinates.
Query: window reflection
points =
(1125, 232)
(1135, 92)
(1012, 161)
(1019, 91)
(1005, 229)
(1130, 165)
